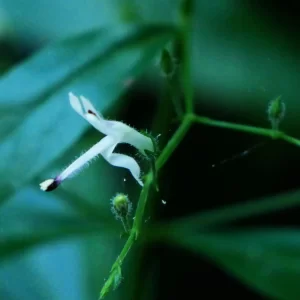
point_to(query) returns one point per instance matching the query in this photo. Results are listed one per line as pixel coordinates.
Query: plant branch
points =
(139, 214)
(274, 134)
(187, 72)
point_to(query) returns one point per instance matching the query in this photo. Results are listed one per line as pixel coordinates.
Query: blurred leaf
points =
(50, 21)
(242, 60)
(265, 259)
(234, 213)
(37, 92)
(30, 219)
(54, 271)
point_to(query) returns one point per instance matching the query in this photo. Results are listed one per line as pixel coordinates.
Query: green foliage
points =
(40, 134)
(267, 259)
(38, 126)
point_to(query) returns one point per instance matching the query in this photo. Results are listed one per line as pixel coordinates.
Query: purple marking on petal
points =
(56, 182)
(91, 112)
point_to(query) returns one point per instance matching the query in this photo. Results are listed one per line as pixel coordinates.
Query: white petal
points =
(105, 147)
(90, 114)
(101, 125)
(123, 133)
(76, 166)
(123, 161)
(88, 106)
(118, 130)
(138, 140)
(128, 135)
(75, 103)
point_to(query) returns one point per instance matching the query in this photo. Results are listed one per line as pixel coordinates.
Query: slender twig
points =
(274, 134)
(187, 74)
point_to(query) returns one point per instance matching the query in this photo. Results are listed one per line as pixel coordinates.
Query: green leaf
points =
(54, 271)
(95, 64)
(30, 219)
(265, 259)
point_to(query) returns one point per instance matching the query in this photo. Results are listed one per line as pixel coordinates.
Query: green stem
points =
(174, 142)
(186, 30)
(167, 152)
(116, 266)
(290, 139)
(187, 80)
(245, 128)
(124, 252)
(139, 214)
(126, 225)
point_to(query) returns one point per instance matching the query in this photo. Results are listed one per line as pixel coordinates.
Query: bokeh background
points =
(61, 245)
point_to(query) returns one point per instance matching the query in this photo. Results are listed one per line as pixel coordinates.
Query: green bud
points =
(121, 206)
(276, 112)
(166, 63)
(187, 7)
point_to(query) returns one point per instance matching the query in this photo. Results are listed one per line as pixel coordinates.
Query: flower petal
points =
(118, 130)
(89, 108)
(129, 135)
(105, 147)
(101, 125)
(122, 132)
(85, 158)
(90, 114)
(123, 161)
(138, 140)
(75, 103)
(78, 164)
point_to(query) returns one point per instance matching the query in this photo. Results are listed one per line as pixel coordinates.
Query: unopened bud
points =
(166, 63)
(276, 112)
(121, 206)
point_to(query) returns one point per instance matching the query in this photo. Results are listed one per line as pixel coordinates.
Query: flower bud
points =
(276, 112)
(166, 63)
(121, 206)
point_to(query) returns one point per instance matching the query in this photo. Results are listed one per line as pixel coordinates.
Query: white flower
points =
(116, 133)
